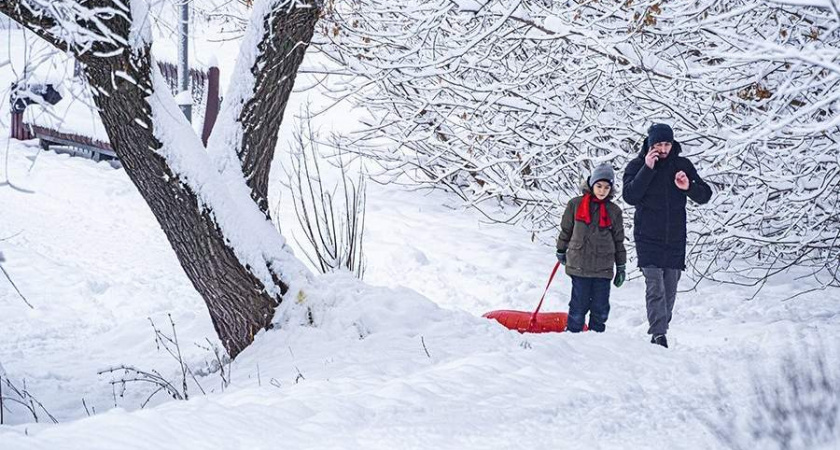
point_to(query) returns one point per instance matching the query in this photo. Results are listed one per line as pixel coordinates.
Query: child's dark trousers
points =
(590, 295)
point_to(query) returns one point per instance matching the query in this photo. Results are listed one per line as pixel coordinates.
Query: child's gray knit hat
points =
(603, 172)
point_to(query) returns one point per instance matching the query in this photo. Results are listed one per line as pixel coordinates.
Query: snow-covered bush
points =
(508, 102)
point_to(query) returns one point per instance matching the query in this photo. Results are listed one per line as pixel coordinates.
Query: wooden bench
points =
(99, 150)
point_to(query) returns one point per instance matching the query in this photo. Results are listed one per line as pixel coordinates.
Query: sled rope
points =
(550, 279)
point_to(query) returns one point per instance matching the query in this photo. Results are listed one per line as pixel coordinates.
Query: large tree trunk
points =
(240, 304)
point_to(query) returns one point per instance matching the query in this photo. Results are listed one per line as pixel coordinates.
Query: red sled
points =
(533, 322)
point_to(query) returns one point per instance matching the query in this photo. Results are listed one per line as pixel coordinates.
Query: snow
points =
(556, 25)
(814, 3)
(468, 5)
(183, 98)
(75, 113)
(403, 360)
(141, 30)
(91, 259)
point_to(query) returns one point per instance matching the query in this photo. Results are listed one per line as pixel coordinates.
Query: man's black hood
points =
(676, 149)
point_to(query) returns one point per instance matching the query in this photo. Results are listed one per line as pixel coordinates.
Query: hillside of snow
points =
(83, 248)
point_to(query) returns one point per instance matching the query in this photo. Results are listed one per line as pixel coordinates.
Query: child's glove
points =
(561, 256)
(620, 275)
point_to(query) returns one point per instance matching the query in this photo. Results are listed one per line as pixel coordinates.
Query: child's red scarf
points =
(584, 215)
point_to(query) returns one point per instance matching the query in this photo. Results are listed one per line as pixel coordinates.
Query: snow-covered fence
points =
(204, 90)
(23, 94)
(18, 130)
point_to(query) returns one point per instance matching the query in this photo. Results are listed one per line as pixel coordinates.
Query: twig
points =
(180, 359)
(10, 237)
(333, 233)
(41, 405)
(114, 392)
(216, 353)
(423, 341)
(16, 288)
(25, 399)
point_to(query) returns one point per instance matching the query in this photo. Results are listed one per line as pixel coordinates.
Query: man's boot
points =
(659, 339)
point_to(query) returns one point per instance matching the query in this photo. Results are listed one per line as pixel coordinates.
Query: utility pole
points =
(184, 97)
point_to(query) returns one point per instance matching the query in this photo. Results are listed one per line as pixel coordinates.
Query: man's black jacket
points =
(659, 224)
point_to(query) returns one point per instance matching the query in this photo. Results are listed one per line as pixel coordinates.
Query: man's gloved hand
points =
(561, 256)
(620, 275)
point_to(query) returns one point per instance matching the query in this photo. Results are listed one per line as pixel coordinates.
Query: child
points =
(592, 240)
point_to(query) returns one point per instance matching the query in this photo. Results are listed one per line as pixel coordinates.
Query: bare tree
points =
(178, 389)
(211, 205)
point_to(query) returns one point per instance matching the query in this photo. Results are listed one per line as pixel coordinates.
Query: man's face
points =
(663, 148)
(601, 189)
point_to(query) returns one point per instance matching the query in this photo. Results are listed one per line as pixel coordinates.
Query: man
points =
(657, 183)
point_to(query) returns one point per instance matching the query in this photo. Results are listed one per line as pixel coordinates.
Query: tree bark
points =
(237, 300)
(281, 52)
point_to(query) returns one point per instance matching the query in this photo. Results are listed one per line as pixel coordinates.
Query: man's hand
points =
(651, 158)
(561, 256)
(681, 180)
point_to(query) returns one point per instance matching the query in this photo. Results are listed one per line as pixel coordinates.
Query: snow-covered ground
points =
(84, 249)
(403, 360)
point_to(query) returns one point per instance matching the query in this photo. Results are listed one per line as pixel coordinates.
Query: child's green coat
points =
(592, 251)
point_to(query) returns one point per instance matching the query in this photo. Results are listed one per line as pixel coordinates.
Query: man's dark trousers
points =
(660, 294)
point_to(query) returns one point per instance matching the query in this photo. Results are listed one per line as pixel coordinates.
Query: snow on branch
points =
(813, 3)
(508, 103)
(252, 237)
